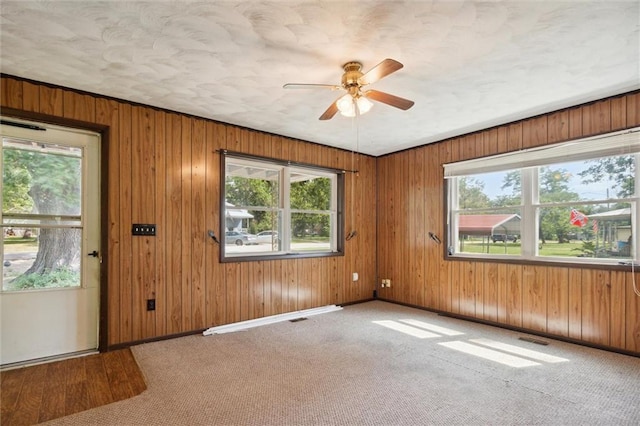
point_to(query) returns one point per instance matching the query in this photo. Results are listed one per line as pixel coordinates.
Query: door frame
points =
(103, 130)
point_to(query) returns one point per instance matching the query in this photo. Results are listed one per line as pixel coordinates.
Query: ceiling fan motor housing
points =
(352, 74)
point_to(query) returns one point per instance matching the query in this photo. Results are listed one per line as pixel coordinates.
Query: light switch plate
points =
(143, 229)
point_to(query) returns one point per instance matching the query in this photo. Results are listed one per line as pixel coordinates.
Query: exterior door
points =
(51, 237)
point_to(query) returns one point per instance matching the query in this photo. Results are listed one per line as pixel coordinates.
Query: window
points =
(274, 209)
(572, 202)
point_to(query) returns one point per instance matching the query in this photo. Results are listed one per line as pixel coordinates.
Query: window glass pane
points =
(25, 250)
(489, 232)
(251, 221)
(586, 230)
(272, 208)
(251, 185)
(490, 190)
(601, 179)
(575, 206)
(310, 232)
(40, 178)
(310, 192)
(252, 232)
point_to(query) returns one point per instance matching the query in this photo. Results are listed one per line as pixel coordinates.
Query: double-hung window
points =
(570, 202)
(275, 209)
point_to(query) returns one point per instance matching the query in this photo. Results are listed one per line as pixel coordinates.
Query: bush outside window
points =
(546, 204)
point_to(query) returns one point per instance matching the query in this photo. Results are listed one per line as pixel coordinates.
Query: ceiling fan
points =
(356, 100)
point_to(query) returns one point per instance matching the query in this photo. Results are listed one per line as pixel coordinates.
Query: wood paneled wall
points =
(163, 168)
(595, 306)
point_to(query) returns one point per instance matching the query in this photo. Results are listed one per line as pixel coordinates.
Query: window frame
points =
(626, 142)
(336, 211)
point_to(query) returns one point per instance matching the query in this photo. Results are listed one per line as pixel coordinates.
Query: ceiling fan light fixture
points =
(364, 104)
(346, 106)
(348, 103)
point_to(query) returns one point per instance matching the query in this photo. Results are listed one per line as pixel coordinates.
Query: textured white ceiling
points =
(468, 65)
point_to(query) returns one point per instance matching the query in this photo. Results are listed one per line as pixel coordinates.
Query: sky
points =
(592, 191)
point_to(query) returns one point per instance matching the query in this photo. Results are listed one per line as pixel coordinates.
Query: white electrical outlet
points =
(355, 276)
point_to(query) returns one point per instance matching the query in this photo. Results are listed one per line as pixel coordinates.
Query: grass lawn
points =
(20, 245)
(550, 248)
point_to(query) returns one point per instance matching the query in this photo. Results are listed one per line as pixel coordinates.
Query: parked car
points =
(501, 237)
(267, 237)
(239, 238)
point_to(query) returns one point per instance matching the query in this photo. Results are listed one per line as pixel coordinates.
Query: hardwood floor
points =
(44, 392)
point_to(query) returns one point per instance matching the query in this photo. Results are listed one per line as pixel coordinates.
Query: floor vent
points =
(537, 342)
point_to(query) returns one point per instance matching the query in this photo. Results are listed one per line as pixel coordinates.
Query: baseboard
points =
(153, 339)
(358, 301)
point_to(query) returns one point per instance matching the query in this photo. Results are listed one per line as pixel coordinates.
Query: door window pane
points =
(41, 178)
(41, 258)
(41, 222)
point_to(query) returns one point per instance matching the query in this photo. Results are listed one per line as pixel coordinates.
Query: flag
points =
(577, 219)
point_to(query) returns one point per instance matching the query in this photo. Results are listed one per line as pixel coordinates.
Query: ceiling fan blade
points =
(311, 86)
(383, 69)
(386, 98)
(330, 112)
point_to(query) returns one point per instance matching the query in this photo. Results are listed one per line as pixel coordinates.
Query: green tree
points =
(312, 194)
(247, 192)
(619, 169)
(471, 194)
(46, 184)
(553, 188)
(16, 182)
(308, 194)
(511, 180)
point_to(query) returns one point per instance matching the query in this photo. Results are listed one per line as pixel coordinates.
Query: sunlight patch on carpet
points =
(432, 327)
(406, 329)
(490, 354)
(519, 351)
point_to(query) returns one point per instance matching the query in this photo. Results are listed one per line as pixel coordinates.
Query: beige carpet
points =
(346, 368)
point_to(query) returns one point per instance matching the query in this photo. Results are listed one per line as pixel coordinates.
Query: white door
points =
(51, 237)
